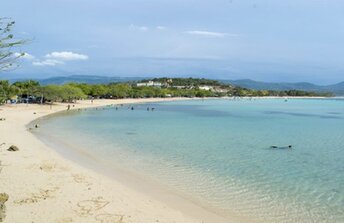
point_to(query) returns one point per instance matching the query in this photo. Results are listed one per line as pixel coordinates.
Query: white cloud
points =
(141, 28)
(66, 56)
(25, 56)
(57, 58)
(47, 62)
(145, 28)
(209, 34)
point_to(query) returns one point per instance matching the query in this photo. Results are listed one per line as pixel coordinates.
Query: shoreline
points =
(139, 181)
(56, 189)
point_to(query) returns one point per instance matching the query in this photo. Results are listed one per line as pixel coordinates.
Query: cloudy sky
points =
(270, 40)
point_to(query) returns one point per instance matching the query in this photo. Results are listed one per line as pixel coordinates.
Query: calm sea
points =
(219, 152)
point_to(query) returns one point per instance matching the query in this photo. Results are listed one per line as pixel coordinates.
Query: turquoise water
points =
(218, 152)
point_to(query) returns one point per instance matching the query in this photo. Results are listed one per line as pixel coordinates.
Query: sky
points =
(265, 40)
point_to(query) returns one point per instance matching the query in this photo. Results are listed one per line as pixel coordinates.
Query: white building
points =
(149, 84)
(207, 88)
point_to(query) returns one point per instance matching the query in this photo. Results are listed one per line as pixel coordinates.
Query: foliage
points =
(73, 91)
(7, 91)
(25, 88)
(118, 90)
(62, 93)
(7, 42)
(191, 82)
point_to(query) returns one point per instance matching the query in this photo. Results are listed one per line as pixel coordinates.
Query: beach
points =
(44, 186)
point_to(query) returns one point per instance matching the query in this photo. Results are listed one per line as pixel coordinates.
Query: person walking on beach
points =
(68, 107)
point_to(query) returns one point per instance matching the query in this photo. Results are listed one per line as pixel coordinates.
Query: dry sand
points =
(43, 186)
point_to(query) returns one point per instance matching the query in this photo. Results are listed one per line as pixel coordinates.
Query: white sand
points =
(45, 187)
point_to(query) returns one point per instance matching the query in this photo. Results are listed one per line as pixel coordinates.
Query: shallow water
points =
(218, 152)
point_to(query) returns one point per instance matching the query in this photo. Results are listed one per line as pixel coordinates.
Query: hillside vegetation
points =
(32, 91)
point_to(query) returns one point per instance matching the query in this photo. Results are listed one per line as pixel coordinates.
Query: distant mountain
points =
(85, 79)
(337, 89)
(257, 85)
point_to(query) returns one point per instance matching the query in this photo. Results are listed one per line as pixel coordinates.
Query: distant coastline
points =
(336, 88)
(32, 91)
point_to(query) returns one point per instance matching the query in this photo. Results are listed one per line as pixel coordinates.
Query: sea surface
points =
(219, 152)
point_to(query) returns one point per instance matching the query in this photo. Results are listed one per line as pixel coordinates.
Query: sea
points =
(268, 160)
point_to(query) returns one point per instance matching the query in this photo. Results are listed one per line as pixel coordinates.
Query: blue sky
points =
(269, 40)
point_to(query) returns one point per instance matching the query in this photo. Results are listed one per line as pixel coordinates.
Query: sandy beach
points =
(43, 186)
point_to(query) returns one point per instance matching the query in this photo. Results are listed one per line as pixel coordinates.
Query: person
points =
(68, 107)
(281, 147)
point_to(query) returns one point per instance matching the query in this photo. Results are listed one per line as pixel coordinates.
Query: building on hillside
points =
(220, 90)
(149, 84)
(207, 88)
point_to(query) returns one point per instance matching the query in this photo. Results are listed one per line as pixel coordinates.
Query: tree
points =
(6, 91)
(7, 42)
(64, 93)
(86, 88)
(119, 90)
(148, 92)
(51, 93)
(98, 90)
(70, 93)
(28, 88)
